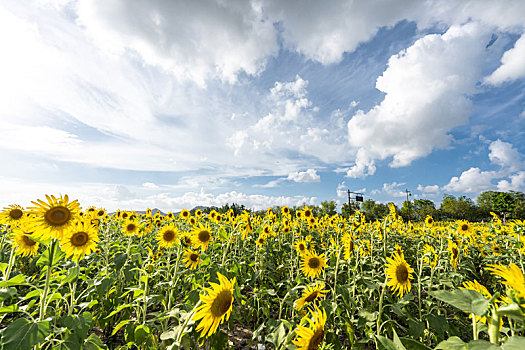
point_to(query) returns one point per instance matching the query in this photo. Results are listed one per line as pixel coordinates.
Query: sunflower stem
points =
(48, 279)
(73, 287)
(190, 316)
(336, 271)
(381, 306)
(474, 327)
(227, 246)
(10, 264)
(174, 278)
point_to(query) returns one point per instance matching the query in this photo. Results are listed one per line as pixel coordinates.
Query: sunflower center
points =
(204, 236)
(222, 303)
(79, 239)
(307, 213)
(57, 216)
(100, 213)
(455, 252)
(316, 339)
(28, 241)
(464, 227)
(194, 257)
(311, 296)
(430, 220)
(169, 235)
(131, 227)
(314, 262)
(187, 240)
(301, 247)
(402, 273)
(16, 214)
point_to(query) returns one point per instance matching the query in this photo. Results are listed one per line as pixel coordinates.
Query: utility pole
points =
(408, 203)
(349, 205)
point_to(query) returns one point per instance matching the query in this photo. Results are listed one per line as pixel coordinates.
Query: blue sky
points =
(173, 104)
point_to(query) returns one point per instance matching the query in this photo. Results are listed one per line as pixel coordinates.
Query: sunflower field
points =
(74, 278)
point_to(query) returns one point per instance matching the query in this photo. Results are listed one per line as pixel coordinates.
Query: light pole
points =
(408, 203)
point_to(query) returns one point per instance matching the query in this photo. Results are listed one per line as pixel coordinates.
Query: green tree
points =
(344, 209)
(453, 208)
(328, 207)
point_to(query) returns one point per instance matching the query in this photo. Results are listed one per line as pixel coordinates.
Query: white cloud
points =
(150, 185)
(393, 189)
(428, 189)
(512, 65)
(505, 155)
(427, 88)
(193, 40)
(309, 175)
(516, 183)
(472, 181)
(113, 197)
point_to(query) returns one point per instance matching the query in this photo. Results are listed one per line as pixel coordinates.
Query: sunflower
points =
(12, 214)
(261, 240)
(313, 264)
(81, 239)
(192, 259)
(192, 221)
(285, 211)
(429, 221)
(311, 337)
(130, 227)
(24, 245)
(429, 255)
(348, 248)
(168, 236)
(55, 216)
(399, 251)
(202, 237)
(512, 275)
(185, 214)
(301, 247)
(464, 227)
(307, 213)
(311, 294)
(216, 307)
(454, 253)
(186, 239)
(198, 213)
(399, 273)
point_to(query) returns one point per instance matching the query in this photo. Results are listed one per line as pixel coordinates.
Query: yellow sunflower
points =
(216, 307)
(454, 254)
(192, 259)
(429, 221)
(202, 237)
(400, 273)
(130, 227)
(261, 240)
(311, 294)
(185, 214)
(80, 239)
(168, 236)
(24, 245)
(348, 248)
(464, 227)
(512, 275)
(301, 247)
(12, 215)
(311, 337)
(313, 264)
(55, 216)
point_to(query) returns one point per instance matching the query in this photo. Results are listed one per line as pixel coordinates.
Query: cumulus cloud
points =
(512, 65)
(509, 174)
(427, 88)
(192, 39)
(505, 155)
(428, 189)
(309, 175)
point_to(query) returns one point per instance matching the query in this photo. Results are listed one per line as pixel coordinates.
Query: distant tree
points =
(458, 208)
(328, 207)
(344, 209)
(374, 211)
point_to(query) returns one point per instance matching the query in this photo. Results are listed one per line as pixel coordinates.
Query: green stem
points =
(474, 327)
(48, 279)
(381, 307)
(181, 330)
(10, 264)
(144, 298)
(73, 290)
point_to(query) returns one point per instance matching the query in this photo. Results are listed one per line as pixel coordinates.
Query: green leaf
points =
(481, 345)
(452, 343)
(464, 299)
(6, 293)
(93, 342)
(120, 325)
(411, 344)
(72, 274)
(120, 260)
(415, 328)
(388, 344)
(140, 334)
(18, 280)
(7, 309)
(277, 336)
(514, 343)
(23, 334)
(513, 310)
(44, 258)
(118, 309)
